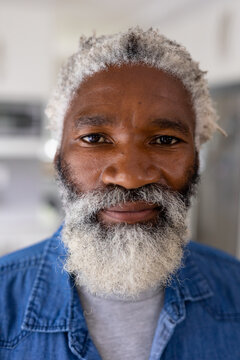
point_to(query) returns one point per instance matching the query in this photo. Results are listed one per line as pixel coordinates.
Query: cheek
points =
(86, 170)
(176, 169)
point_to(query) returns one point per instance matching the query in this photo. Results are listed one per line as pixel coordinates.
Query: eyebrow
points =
(161, 123)
(97, 120)
(171, 124)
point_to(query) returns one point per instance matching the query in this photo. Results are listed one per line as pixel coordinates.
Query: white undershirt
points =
(122, 329)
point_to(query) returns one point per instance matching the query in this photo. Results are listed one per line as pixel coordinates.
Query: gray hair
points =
(133, 46)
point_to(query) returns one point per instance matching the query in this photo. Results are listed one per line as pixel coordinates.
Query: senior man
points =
(120, 279)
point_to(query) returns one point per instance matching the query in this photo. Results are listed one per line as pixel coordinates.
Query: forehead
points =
(127, 85)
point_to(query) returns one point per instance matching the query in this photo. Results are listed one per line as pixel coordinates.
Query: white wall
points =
(210, 31)
(26, 56)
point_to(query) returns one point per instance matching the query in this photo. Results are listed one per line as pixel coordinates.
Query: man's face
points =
(128, 161)
(129, 126)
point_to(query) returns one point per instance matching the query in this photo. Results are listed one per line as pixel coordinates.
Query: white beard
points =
(123, 259)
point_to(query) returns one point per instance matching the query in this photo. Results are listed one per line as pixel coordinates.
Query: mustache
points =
(111, 195)
(84, 207)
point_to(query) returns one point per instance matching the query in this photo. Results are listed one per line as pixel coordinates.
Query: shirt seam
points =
(21, 265)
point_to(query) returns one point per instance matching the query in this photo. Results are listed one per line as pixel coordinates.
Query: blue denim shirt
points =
(41, 316)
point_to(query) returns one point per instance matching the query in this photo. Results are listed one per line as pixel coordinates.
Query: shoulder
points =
(214, 263)
(22, 258)
(210, 256)
(22, 265)
(20, 275)
(222, 272)
(18, 271)
(27, 257)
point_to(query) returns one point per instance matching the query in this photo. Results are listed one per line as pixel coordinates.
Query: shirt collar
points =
(189, 284)
(54, 305)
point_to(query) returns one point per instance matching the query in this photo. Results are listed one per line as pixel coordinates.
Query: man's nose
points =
(131, 170)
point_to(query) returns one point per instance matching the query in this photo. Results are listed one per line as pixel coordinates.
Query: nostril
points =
(110, 170)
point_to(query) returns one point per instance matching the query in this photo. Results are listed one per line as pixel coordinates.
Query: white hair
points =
(134, 46)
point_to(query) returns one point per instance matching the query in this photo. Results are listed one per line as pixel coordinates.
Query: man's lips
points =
(131, 212)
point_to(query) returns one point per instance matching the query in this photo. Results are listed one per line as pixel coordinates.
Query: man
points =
(130, 113)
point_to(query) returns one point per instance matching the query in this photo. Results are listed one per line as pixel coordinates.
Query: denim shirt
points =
(41, 316)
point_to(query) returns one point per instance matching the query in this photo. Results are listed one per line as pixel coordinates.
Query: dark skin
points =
(129, 126)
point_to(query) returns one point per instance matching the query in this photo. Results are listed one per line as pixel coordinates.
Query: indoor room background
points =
(37, 36)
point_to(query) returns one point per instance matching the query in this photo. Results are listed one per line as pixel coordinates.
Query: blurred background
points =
(37, 36)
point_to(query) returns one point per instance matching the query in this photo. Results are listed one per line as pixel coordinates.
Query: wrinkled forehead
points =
(133, 83)
(137, 77)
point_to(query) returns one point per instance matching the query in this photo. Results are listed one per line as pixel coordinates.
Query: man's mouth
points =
(131, 212)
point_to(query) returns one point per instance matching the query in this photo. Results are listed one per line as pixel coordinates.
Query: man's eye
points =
(94, 139)
(165, 140)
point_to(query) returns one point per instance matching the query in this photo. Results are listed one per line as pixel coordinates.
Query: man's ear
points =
(56, 159)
